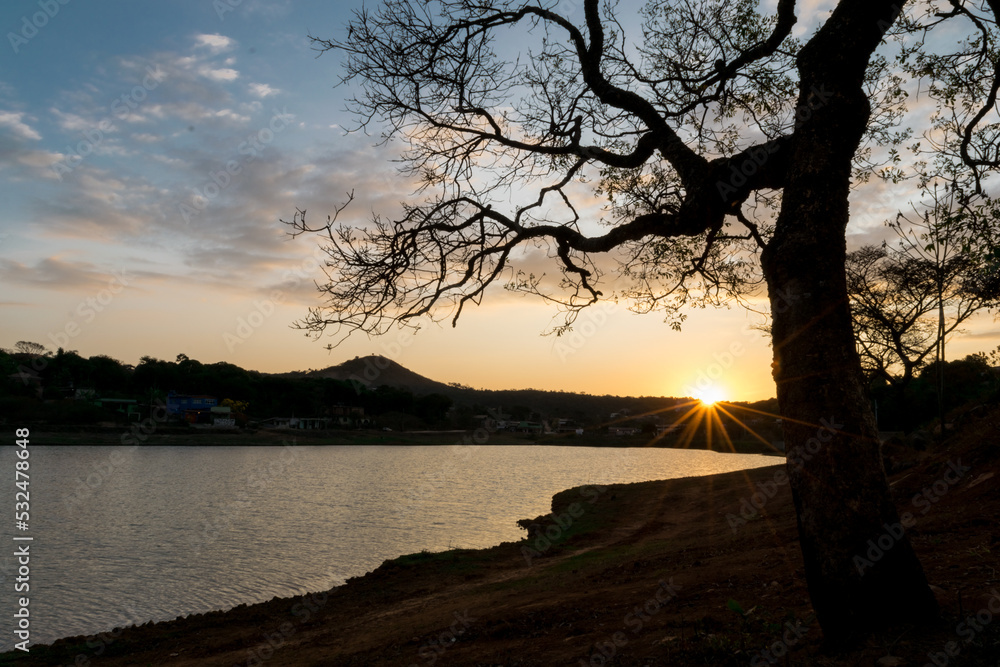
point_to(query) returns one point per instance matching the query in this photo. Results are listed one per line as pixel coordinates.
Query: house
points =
(496, 420)
(192, 408)
(528, 427)
(179, 404)
(341, 410)
(347, 416)
(222, 417)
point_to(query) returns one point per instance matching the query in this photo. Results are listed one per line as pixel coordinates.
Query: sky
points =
(149, 151)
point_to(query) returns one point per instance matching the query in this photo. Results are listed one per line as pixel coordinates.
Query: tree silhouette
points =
(724, 149)
(909, 296)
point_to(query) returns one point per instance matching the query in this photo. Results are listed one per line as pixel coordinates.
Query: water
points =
(125, 535)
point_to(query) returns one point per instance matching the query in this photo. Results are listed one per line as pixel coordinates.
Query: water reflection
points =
(127, 535)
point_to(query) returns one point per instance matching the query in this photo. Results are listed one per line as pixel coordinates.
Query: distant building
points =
(178, 404)
(192, 408)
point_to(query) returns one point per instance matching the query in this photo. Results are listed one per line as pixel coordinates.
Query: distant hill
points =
(375, 371)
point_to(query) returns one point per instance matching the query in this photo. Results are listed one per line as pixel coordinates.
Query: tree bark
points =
(860, 567)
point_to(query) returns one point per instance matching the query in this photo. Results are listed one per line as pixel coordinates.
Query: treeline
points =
(30, 373)
(967, 383)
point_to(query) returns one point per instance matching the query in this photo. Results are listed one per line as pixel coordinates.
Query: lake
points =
(124, 535)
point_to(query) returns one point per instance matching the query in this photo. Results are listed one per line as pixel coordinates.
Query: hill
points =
(374, 371)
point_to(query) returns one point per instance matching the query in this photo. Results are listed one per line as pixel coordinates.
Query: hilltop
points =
(373, 371)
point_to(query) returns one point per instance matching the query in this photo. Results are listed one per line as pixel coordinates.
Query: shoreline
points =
(185, 437)
(684, 547)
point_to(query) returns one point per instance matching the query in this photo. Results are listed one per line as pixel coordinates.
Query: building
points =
(192, 408)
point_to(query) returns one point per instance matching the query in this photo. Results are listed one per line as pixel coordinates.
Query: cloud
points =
(262, 90)
(221, 74)
(983, 335)
(72, 122)
(215, 43)
(56, 273)
(39, 159)
(146, 137)
(13, 121)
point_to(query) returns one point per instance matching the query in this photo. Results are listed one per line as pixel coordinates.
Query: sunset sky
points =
(122, 232)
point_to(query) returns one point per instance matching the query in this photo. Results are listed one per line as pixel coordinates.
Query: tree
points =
(31, 349)
(907, 298)
(891, 299)
(726, 151)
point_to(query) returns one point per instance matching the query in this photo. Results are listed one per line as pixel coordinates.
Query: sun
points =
(710, 395)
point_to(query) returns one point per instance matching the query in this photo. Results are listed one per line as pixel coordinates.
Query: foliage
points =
(966, 381)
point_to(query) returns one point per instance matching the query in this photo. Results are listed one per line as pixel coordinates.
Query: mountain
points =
(375, 371)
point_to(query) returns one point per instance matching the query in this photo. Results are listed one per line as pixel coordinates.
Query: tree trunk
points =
(860, 568)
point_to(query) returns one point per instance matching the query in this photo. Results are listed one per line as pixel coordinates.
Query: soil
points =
(677, 572)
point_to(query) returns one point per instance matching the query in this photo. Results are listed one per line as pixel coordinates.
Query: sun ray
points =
(747, 428)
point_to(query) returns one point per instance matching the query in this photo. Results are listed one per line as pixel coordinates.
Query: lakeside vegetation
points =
(59, 394)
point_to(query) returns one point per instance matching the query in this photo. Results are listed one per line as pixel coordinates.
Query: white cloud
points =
(72, 122)
(229, 114)
(14, 121)
(146, 138)
(39, 159)
(215, 43)
(262, 90)
(222, 74)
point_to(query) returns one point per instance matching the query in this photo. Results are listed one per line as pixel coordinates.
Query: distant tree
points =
(432, 408)
(108, 374)
(30, 348)
(519, 413)
(908, 297)
(155, 374)
(904, 305)
(725, 149)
